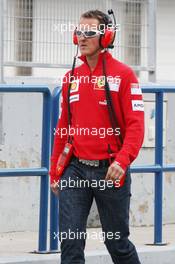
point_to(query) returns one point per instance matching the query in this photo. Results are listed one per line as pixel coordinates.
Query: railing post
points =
(42, 247)
(159, 174)
(54, 200)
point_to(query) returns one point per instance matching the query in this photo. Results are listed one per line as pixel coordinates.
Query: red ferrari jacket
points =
(90, 123)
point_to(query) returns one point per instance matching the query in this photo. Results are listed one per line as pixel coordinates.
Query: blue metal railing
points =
(45, 156)
(158, 168)
(49, 122)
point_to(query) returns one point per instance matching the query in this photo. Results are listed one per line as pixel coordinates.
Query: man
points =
(91, 160)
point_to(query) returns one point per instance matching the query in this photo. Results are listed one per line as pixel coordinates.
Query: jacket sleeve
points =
(133, 112)
(60, 134)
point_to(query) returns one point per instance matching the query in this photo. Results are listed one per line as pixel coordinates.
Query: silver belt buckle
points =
(92, 163)
(96, 163)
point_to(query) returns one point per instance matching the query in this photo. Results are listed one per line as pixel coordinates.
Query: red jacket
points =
(90, 122)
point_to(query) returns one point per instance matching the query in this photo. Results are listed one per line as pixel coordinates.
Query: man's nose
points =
(82, 36)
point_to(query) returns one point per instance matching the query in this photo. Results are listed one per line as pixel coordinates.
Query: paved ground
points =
(19, 244)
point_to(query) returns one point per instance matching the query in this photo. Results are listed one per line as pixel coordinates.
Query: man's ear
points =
(75, 39)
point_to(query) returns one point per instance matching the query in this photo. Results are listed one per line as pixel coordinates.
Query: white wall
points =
(165, 40)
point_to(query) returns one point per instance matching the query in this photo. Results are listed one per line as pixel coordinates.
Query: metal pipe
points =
(23, 172)
(158, 174)
(43, 216)
(54, 200)
(10, 88)
(158, 89)
(44, 171)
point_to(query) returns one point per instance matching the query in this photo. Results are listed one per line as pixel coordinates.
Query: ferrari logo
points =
(99, 85)
(74, 86)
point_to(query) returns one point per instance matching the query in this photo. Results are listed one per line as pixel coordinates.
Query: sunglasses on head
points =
(88, 33)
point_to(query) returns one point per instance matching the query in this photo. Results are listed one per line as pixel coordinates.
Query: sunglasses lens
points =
(90, 33)
(78, 33)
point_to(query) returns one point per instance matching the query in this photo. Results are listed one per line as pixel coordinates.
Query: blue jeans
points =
(113, 205)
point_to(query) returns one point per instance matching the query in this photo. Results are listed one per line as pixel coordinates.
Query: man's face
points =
(88, 46)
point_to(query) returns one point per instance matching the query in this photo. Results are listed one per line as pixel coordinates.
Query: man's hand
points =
(54, 188)
(115, 172)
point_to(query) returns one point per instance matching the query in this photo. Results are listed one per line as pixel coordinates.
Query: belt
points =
(93, 163)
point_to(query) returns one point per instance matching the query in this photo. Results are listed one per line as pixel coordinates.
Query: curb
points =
(147, 255)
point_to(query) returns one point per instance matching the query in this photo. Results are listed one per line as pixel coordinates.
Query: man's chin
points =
(84, 52)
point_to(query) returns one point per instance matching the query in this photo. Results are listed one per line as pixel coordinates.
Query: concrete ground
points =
(16, 247)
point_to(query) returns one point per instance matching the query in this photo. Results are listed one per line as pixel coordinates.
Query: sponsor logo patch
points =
(74, 86)
(103, 102)
(99, 85)
(74, 98)
(137, 105)
(60, 105)
(114, 84)
(135, 88)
